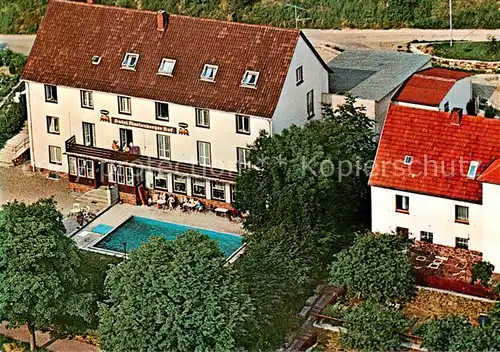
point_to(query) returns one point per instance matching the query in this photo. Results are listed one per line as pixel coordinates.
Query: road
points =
(18, 42)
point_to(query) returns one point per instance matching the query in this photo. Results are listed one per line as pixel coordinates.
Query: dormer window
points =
(408, 160)
(130, 61)
(96, 60)
(209, 72)
(472, 169)
(250, 79)
(166, 67)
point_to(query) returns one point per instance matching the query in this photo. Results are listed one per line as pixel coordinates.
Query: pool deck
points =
(119, 213)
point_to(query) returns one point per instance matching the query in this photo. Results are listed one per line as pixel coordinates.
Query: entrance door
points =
(89, 134)
(126, 138)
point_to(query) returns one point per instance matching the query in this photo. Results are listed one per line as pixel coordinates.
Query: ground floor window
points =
(72, 166)
(199, 187)
(120, 175)
(231, 188)
(461, 242)
(161, 181)
(55, 155)
(90, 169)
(180, 184)
(402, 232)
(218, 191)
(426, 237)
(111, 173)
(81, 168)
(130, 176)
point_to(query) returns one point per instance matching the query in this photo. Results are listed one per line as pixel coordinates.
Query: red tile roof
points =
(430, 86)
(441, 153)
(71, 33)
(491, 174)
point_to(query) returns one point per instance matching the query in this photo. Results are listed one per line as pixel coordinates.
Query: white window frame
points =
(463, 240)
(50, 93)
(206, 69)
(245, 153)
(90, 170)
(130, 61)
(299, 75)
(472, 169)
(120, 175)
(310, 103)
(220, 187)
(122, 108)
(202, 118)
(204, 153)
(159, 116)
(129, 176)
(461, 219)
(73, 167)
(246, 81)
(166, 63)
(177, 179)
(111, 173)
(53, 126)
(240, 124)
(86, 99)
(161, 176)
(82, 168)
(199, 182)
(405, 203)
(55, 154)
(427, 236)
(163, 150)
(96, 60)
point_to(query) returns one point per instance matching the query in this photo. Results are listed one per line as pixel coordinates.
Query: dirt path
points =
(44, 340)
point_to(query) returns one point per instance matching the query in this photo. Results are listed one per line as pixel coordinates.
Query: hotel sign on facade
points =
(143, 125)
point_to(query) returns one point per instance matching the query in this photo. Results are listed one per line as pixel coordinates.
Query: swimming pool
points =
(137, 230)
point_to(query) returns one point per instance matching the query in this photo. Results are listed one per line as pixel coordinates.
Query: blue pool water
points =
(102, 229)
(137, 230)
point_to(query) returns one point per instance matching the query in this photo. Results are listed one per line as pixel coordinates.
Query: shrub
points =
(482, 272)
(489, 111)
(11, 121)
(373, 327)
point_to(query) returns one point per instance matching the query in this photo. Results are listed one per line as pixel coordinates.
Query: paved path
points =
(18, 42)
(43, 340)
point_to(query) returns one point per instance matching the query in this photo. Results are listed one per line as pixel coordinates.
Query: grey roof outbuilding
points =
(371, 74)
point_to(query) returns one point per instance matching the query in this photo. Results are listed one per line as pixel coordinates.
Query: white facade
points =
(436, 215)
(222, 134)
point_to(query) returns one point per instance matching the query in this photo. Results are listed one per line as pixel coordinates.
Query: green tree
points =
(278, 271)
(482, 272)
(373, 327)
(377, 267)
(40, 269)
(173, 296)
(310, 179)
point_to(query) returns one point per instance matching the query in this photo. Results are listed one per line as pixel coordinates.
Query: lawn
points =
(482, 51)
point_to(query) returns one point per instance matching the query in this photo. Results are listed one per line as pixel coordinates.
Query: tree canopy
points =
(173, 296)
(377, 267)
(40, 268)
(372, 326)
(311, 179)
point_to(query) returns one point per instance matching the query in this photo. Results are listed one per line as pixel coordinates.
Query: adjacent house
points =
(436, 89)
(169, 103)
(373, 77)
(436, 178)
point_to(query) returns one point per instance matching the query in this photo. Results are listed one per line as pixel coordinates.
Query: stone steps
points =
(96, 195)
(7, 152)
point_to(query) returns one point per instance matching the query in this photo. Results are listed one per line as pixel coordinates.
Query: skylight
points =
(96, 60)
(130, 61)
(472, 169)
(166, 67)
(408, 160)
(250, 79)
(209, 72)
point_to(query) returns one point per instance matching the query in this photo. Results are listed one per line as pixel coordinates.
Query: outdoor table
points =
(221, 211)
(161, 203)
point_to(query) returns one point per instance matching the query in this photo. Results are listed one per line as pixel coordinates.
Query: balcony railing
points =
(146, 162)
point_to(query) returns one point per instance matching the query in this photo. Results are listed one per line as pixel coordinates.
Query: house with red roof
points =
(166, 103)
(439, 89)
(436, 178)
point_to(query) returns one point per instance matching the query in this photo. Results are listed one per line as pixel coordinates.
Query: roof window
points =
(130, 61)
(96, 60)
(209, 72)
(250, 79)
(472, 169)
(166, 67)
(408, 160)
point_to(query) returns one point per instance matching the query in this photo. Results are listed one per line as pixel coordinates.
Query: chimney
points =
(161, 20)
(456, 116)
